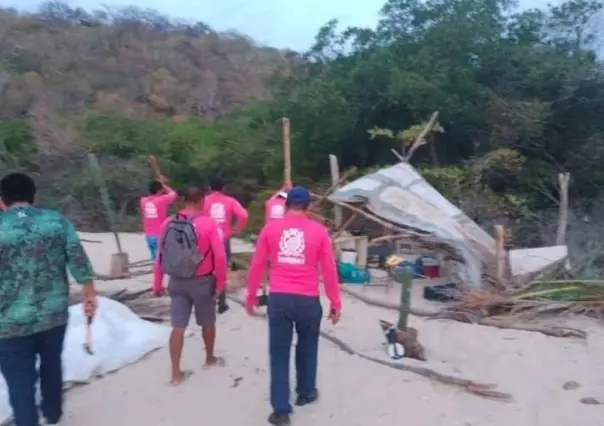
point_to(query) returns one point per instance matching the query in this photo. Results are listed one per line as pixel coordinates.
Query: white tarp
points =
(119, 338)
(399, 194)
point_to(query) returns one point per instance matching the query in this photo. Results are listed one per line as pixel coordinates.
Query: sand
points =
(530, 366)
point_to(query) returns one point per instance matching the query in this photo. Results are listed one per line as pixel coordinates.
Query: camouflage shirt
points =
(37, 247)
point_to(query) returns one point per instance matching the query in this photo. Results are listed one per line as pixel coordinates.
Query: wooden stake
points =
(499, 253)
(421, 138)
(563, 180)
(335, 179)
(287, 161)
(98, 176)
(119, 260)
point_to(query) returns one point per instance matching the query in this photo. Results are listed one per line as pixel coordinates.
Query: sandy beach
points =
(533, 368)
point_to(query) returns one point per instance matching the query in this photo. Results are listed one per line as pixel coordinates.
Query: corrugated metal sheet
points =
(399, 194)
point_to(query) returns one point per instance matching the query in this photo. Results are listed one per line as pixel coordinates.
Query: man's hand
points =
(287, 185)
(334, 316)
(250, 307)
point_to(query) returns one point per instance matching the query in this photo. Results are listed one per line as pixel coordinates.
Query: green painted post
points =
(405, 277)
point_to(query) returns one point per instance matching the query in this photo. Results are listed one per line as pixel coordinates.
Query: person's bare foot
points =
(215, 361)
(179, 379)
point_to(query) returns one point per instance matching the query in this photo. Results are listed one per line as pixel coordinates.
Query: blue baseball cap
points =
(298, 195)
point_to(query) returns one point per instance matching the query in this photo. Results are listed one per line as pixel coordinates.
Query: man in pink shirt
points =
(191, 252)
(274, 207)
(295, 248)
(223, 209)
(154, 211)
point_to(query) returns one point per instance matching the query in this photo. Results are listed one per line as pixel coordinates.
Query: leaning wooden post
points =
(499, 254)
(563, 180)
(119, 260)
(287, 160)
(334, 168)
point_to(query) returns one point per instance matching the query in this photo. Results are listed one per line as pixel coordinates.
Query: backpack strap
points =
(205, 255)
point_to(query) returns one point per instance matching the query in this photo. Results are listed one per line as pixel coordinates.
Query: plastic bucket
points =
(348, 256)
(430, 267)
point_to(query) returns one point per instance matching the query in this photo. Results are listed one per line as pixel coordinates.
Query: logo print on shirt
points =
(291, 247)
(150, 211)
(218, 212)
(277, 211)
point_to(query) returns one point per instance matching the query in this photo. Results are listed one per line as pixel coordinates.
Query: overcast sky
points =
(280, 23)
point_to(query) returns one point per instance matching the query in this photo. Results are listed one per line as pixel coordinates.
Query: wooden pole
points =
(119, 260)
(98, 176)
(335, 179)
(499, 253)
(421, 138)
(563, 180)
(287, 161)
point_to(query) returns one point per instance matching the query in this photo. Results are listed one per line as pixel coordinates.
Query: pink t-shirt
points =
(210, 241)
(274, 209)
(223, 209)
(296, 248)
(154, 210)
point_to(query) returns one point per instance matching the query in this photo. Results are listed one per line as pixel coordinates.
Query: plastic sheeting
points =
(119, 338)
(400, 195)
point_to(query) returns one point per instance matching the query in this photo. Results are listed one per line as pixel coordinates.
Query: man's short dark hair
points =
(216, 183)
(193, 194)
(17, 188)
(155, 186)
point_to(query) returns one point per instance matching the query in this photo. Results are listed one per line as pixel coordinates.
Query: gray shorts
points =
(192, 294)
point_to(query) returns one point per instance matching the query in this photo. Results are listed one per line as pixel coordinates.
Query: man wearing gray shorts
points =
(192, 253)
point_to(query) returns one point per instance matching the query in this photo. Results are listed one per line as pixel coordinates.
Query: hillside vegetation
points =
(520, 95)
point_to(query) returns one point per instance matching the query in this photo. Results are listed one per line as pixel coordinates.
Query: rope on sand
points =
(480, 389)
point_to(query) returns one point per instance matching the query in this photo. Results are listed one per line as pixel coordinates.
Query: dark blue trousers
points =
(286, 312)
(18, 358)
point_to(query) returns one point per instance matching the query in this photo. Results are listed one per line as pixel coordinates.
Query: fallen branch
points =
(553, 331)
(140, 263)
(84, 240)
(479, 389)
(105, 277)
(421, 138)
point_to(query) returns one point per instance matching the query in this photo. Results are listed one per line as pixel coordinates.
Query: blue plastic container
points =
(414, 267)
(352, 274)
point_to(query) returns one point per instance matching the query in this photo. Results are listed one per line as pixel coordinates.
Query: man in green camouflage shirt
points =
(37, 247)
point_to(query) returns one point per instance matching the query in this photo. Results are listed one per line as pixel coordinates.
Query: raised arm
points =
(329, 271)
(170, 196)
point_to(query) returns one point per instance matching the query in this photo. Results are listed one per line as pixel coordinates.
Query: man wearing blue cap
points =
(296, 248)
